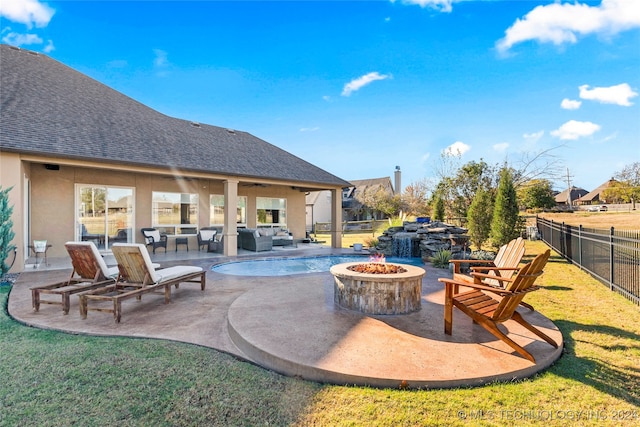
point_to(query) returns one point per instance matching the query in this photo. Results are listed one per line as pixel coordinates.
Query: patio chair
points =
(137, 276)
(489, 306)
(89, 272)
(40, 248)
(155, 238)
(505, 264)
(206, 236)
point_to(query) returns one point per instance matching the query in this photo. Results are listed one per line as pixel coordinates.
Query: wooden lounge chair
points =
(506, 262)
(489, 306)
(89, 272)
(137, 277)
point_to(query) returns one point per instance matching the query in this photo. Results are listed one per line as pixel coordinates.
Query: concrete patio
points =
(290, 324)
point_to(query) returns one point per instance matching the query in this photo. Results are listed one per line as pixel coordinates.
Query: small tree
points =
(505, 222)
(6, 230)
(536, 194)
(438, 208)
(479, 217)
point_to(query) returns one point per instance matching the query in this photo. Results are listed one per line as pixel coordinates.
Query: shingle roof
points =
(595, 194)
(576, 193)
(47, 108)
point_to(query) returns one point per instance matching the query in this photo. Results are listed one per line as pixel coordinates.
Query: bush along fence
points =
(611, 256)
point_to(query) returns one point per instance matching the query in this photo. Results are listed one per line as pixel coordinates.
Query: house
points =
(318, 208)
(353, 209)
(82, 156)
(596, 196)
(569, 196)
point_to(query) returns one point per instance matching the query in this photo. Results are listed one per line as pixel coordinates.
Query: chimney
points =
(398, 181)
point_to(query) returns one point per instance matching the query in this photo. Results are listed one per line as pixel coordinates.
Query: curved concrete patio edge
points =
(289, 324)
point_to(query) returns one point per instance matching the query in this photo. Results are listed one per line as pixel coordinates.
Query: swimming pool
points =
(302, 265)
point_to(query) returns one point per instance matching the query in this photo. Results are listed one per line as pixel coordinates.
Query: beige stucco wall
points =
(53, 198)
(11, 175)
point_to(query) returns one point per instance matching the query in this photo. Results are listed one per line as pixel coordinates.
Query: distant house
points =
(569, 196)
(318, 208)
(596, 196)
(80, 155)
(353, 209)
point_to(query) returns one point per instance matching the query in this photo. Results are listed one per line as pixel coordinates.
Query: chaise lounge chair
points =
(91, 271)
(137, 277)
(489, 306)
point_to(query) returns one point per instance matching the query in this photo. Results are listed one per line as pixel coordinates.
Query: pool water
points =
(302, 265)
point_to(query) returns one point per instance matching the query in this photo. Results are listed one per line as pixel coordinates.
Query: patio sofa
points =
(263, 239)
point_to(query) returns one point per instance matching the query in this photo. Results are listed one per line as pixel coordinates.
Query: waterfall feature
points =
(402, 245)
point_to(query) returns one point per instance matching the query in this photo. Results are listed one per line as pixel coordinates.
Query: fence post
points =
(580, 245)
(611, 259)
(551, 235)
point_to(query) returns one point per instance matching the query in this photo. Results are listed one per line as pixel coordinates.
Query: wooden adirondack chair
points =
(506, 262)
(489, 306)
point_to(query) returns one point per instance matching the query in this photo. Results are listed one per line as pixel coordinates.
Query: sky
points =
(358, 88)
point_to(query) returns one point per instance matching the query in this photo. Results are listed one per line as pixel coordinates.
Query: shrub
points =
(371, 242)
(441, 258)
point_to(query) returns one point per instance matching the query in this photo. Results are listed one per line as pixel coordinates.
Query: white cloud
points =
(357, 84)
(442, 5)
(458, 148)
(27, 12)
(560, 23)
(160, 59)
(502, 146)
(619, 94)
(533, 137)
(49, 47)
(570, 104)
(573, 129)
(313, 129)
(15, 39)
(326, 98)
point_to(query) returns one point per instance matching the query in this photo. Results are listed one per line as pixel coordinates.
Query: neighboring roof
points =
(576, 193)
(363, 184)
(49, 109)
(595, 194)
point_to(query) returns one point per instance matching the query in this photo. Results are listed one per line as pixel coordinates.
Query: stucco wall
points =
(53, 198)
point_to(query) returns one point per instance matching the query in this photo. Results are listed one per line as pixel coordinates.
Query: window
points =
(216, 212)
(271, 211)
(104, 215)
(175, 213)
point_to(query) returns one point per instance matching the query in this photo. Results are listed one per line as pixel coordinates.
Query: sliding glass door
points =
(104, 215)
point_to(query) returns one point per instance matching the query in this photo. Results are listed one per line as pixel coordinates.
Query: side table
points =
(182, 241)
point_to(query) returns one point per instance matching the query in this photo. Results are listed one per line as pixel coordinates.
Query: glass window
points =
(175, 213)
(271, 211)
(216, 211)
(104, 214)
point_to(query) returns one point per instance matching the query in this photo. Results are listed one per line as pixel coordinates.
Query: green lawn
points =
(52, 378)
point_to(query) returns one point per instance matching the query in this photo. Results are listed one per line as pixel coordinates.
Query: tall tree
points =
(438, 208)
(505, 222)
(479, 217)
(415, 198)
(6, 230)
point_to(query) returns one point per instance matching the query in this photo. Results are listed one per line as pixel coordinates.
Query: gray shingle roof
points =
(50, 109)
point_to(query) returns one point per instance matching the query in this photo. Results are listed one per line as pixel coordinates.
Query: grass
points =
(52, 378)
(603, 220)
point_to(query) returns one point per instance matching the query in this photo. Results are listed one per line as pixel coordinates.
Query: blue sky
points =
(360, 87)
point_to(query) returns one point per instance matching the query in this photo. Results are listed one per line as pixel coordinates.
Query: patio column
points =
(230, 231)
(336, 218)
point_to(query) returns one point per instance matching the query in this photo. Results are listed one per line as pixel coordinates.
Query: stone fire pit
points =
(377, 288)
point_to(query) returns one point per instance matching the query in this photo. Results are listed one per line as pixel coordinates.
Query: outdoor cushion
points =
(207, 234)
(155, 234)
(171, 273)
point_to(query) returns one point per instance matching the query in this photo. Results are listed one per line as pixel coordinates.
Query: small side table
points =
(182, 241)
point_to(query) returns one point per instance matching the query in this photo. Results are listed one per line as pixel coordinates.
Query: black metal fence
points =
(611, 256)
